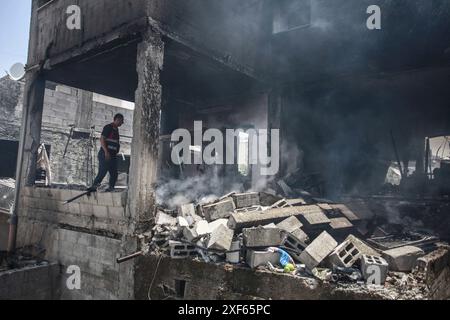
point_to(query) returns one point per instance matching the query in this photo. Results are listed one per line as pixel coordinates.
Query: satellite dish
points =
(17, 72)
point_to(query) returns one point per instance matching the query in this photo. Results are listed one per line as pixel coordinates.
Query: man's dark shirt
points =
(112, 139)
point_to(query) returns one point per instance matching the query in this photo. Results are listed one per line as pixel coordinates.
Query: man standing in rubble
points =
(107, 156)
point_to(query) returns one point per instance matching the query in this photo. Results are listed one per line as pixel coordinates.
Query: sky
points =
(14, 32)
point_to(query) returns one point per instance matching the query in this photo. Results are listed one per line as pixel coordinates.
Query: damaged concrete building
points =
(348, 103)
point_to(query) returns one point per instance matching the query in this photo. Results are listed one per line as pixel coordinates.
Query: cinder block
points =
(263, 237)
(219, 210)
(105, 198)
(244, 200)
(74, 208)
(363, 247)
(179, 250)
(290, 224)
(86, 209)
(318, 250)
(297, 245)
(100, 211)
(221, 238)
(403, 259)
(374, 269)
(345, 255)
(116, 213)
(301, 235)
(119, 198)
(313, 217)
(258, 258)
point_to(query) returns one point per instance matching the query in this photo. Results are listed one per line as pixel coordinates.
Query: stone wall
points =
(90, 234)
(31, 283)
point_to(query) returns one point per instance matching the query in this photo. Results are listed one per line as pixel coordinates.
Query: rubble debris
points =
(341, 274)
(374, 269)
(318, 250)
(221, 238)
(323, 274)
(263, 237)
(273, 234)
(403, 258)
(219, 210)
(245, 200)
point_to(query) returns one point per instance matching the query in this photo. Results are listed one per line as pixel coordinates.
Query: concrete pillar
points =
(33, 107)
(146, 129)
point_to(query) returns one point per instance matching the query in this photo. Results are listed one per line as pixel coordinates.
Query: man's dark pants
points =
(106, 166)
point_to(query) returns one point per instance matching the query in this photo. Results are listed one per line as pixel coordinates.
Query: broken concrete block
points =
(187, 210)
(189, 234)
(268, 199)
(221, 238)
(283, 203)
(318, 250)
(296, 202)
(363, 247)
(313, 217)
(244, 200)
(290, 224)
(374, 269)
(215, 224)
(222, 209)
(402, 259)
(271, 226)
(202, 227)
(325, 206)
(340, 223)
(301, 235)
(179, 250)
(259, 258)
(297, 246)
(343, 209)
(263, 237)
(164, 219)
(345, 255)
(241, 220)
(182, 222)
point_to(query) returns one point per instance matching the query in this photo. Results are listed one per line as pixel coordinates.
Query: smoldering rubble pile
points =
(301, 237)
